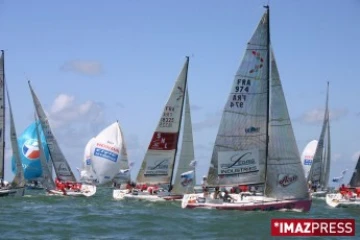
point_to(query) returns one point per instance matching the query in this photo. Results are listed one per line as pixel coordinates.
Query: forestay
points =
(106, 153)
(158, 162)
(240, 147)
(185, 184)
(285, 176)
(61, 166)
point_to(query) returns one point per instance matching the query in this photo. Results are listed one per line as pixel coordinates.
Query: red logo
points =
(312, 227)
(286, 180)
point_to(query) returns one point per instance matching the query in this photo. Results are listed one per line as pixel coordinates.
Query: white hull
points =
(85, 191)
(245, 203)
(163, 196)
(319, 194)
(12, 192)
(337, 200)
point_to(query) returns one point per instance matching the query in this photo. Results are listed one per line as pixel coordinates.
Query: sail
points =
(355, 178)
(308, 155)
(240, 146)
(327, 159)
(30, 152)
(124, 174)
(158, 163)
(317, 171)
(19, 180)
(182, 183)
(285, 175)
(46, 179)
(87, 173)
(2, 115)
(105, 153)
(61, 166)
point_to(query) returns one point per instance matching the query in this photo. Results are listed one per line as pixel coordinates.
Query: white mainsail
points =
(124, 174)
(19, 180)
(285, 176)
(240, 148)
(308, 155)
(321, 159)
(182, 184)
(46, 178)
(158, 164)
(106, 155)
(87, 173)
(61, 166)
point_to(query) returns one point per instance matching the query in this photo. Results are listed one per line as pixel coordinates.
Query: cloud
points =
(317, 115)
(195, 107)
(83, 67)
(211, 121)
(65, 110)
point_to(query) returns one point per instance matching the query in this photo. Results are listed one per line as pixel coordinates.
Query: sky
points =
(94, 62)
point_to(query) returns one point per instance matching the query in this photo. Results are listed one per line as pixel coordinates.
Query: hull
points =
(247, 203)
(336, 200)
(319, 194)
(12, 192)
(126, 194)
(85, 191)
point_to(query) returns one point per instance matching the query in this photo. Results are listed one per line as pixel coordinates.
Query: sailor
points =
(204, 182)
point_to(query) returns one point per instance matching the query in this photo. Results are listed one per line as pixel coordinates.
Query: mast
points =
(268, 91)
(3, 113)
(181, 115)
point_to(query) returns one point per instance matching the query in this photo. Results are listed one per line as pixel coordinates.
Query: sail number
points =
(166, 122)
(239, 95)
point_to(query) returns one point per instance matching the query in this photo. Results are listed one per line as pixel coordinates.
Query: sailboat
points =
(65, 180)
(105, 156)
(16, 188)
(29, 153)
(255, 145)
(350, 198)
(308, 155)
(318, 176)
(157, 172)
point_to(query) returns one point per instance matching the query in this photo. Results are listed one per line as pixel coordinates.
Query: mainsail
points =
(106, 153)
(355, 178)
(87, 173)
(321, 163)
(61, 166)
(158, 164)
(30, 152)
(239, 154)
(285, 176)
(185, 184)
(124, 174)
(307, 156)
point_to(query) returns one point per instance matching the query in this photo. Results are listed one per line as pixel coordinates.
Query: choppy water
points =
(37, 216)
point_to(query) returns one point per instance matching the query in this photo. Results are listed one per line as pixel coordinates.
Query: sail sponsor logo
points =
(163, 141)
(30, 149)
(312, 227)
(308, 161)
(238, 162)
(63, 170)
(109, 155)
(252, 129)
(111, 148)
(157, 167)
(285, 180)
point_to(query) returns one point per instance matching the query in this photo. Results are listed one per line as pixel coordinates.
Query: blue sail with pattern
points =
(30, 153)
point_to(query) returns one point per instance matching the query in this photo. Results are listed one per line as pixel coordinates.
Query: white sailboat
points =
(157, 169)
(105, 155)
(255, 143)
(17, 186)
(318, 177)
(65, 181)
(349, 197)
(308, 155)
